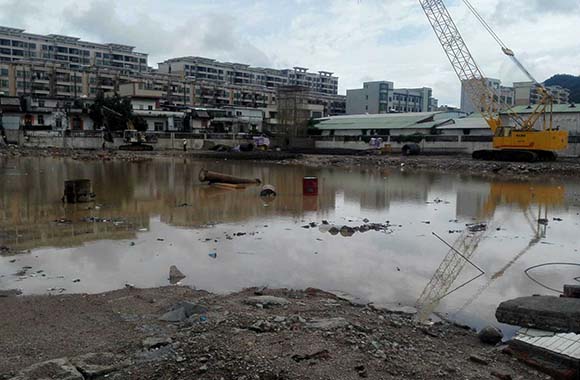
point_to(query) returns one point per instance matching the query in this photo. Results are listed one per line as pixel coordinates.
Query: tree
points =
(113, 113)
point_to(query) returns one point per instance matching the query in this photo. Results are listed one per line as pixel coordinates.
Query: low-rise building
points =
(383, 124)
(565, 117)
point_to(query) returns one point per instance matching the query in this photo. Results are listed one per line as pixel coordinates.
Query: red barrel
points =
(310, 186)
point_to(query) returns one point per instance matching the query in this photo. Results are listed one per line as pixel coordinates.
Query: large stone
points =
(10, 293)
(490, 335)
(327, 324)
(267, 301)
(182, 311)
(394, 308)
(175, 275)
(57, 369)
(153, 342)
(99, 364)
(549, 313)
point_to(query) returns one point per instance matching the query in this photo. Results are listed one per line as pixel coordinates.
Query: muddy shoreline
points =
(253, 334)
(457, 164)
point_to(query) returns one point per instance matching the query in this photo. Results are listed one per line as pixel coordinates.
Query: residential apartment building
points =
(527, 93)
(382, 97)
(521, 94)
(200, 68)
(16, 45)
(67, 68)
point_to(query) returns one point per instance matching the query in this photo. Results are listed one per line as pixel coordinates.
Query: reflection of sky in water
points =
(376, 266)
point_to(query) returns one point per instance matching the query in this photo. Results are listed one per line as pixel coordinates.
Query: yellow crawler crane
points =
(529, 138)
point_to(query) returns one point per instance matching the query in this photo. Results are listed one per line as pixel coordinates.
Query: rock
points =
(501, 375)
(478, 360)
(333, 231)
(490, 335)
(279, 319)
(556, 314)
(10, 293)
(361, 371)
(99, 364)
(347, 231)
(267, 301)
(156, 342)
(182, 311)
(175, 275)
(327, 324)
(394, 309)
(161, 353)
(353, 300)
(57, 369)
(261, 327)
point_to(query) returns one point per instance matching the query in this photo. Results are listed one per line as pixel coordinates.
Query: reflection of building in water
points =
(133, 193)
(471, 199)
(479, 200)
(379, 190)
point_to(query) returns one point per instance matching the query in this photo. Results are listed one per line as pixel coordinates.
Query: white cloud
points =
(357, 39)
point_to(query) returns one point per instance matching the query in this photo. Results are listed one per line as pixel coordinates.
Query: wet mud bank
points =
(177, 332)
(460, 164)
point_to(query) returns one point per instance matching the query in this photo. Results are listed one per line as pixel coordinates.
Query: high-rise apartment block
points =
(382, 97)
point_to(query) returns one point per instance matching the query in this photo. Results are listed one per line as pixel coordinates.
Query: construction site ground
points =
(282, 334)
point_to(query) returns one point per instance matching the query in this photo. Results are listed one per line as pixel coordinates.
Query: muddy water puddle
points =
(149, 216)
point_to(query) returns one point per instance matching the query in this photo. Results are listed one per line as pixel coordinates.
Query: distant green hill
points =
(570, 82)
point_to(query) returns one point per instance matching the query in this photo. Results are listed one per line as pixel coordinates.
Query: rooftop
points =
(66, 39)
(558, 108)
(195, 59)
(384, 121)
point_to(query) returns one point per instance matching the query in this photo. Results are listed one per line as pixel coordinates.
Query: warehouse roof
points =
(383, 121)
(474, 121)
(558, 108)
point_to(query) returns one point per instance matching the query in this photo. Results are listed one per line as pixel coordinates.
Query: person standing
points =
(184, 145)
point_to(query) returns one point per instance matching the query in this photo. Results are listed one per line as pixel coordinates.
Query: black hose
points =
(549, 264)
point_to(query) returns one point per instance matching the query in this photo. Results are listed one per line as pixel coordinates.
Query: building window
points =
(41, 103)
(58, 123)
(159, 126)
(150, 108)
(40, 119)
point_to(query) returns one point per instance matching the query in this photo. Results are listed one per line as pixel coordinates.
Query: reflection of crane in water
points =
(539, 228)
(440, 284)
(521, 194)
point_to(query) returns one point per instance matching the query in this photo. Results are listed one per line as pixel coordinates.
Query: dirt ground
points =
(296, 335)
(462, 164)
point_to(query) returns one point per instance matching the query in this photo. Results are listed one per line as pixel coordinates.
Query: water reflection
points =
(157, 214)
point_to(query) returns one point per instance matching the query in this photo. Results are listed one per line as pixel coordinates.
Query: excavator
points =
(524, 138)
(134, 139)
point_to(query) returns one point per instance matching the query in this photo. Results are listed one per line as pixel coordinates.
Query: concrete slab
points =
(549, 313)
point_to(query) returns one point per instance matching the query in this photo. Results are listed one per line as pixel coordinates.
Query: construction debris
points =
(214, 177)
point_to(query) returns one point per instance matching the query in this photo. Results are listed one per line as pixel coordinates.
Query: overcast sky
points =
(358, 40)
